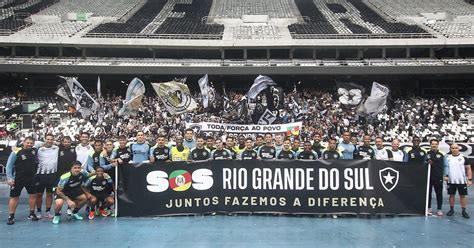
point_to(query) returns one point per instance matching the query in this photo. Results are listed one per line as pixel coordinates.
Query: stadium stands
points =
(134, 24)
(54, 29)
(345, 17)
(256, 32)
(237, 8)
(13, 15)
(109, 8)
(397, 8)
(453, 29)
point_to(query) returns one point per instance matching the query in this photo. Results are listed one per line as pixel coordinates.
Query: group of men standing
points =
(85, 174)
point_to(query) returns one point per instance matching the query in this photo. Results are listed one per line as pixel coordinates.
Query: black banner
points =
(296, 187)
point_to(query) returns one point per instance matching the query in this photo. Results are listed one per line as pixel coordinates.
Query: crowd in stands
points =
(321, 111)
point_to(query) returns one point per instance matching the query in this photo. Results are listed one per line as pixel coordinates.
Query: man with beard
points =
(46, 175)
(83, 149)
(258, 142)
(199, 153)
(267, 151)
(438, 162)
(210, 143)
(160, 152)
(286, 153)
(317, 146)
(307, 153)
(22, 166)
(331, 152)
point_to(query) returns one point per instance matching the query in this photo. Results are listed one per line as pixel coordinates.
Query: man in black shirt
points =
(229, 145)
(248, 153)
(67, 155)
(160, 152)
(220, 153)
(199, 153)
(286, 153)
(21, 173)
(123, 153)
(438, 162)
(365, 151)
(307, 153)
(331, 152)
(267, 151)
(258, 142)
(317, 146)
(416, 153)
(210, 143)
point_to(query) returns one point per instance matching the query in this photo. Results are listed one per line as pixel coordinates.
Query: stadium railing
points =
(362, 36)
(155, 36)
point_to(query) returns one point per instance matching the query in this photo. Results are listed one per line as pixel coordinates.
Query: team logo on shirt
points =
(389, 178)
(438, 155)
(33, 152)
(61, 153)
(180, 180)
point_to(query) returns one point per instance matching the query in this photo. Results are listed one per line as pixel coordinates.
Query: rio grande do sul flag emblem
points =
(180, 180)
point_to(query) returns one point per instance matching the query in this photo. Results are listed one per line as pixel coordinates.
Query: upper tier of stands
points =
(112, 8)
(165, 19)
(14, 13)
(237, 8)
(345, 17)
(396, 8)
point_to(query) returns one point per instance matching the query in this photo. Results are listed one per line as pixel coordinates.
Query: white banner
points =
(289, 128)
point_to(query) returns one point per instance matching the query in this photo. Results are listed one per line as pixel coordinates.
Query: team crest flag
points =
(175, 96)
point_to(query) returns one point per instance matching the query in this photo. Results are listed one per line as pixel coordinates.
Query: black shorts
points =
(73, 195)
(29, 184)
(45, 182)
(102, 197)
(461, 188)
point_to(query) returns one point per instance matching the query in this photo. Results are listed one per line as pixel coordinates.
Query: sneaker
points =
(56, 219)
(430, 211)
(465, 215)
(69, 212)
(109, 212)
(450, 212)
(77, 216)
(10, 221)
(91, 215)
(48, 215)
(440, 213)
(39, 215)
(103, 213)
(97, 213)
(33, 217)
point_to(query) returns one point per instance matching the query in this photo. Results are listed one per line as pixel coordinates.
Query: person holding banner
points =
(229, 145)
(295, 147)
(398, 155)
(140, 149)
(331, 152)
(438, 162)
(307, 153)
(381, 153)
(365, 151)
(179, 152)
(286, 153)
(416, 153)
(220, 153)
(346, 147)
(267, 151)
(199, 153)
(241, 146)
(123, 154)
(248, 153)
(160, 152)
(458, 175)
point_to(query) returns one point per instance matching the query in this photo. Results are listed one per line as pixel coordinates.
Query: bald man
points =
(458, 175)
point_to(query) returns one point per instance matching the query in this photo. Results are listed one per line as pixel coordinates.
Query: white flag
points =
(204, 85)
(175, 96)
(260, 83)
(377, 100)
(99, 95)
(85, 104)
(133, 99)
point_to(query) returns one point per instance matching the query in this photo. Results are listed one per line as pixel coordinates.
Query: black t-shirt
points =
(248, 155)
(437, 164)
(267, 152)
(125, 154)
(65, 159)
(416, 154)
(200, 154)
(161, 153)
(286, 155)
(307, 155)
(328, 155)
(221, 154)
(364, 152)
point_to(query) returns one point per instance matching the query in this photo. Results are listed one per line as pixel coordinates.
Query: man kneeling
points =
(70, 190)
(98, 190)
